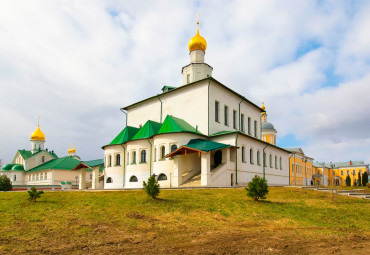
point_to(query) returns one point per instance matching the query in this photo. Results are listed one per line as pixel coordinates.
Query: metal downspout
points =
(209, 84)
(240, 113)
(150, 163)
(161, 108)
(124, 165)
(264, 160)
(236, 159)
(124, 113)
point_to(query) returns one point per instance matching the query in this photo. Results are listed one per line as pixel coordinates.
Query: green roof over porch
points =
(198, 145)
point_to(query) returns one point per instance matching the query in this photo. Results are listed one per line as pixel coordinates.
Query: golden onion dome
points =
(197, 42)
(38, 135)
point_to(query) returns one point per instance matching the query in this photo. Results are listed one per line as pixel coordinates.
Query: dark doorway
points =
(218, 158)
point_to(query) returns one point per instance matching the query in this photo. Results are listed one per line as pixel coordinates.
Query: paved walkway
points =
(359, 193)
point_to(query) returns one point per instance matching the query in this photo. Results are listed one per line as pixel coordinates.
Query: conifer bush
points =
(34, 194)
(348, 181)
(152, 187)
(365, 179)
(359, 182)
(5, 183)
(257, 188)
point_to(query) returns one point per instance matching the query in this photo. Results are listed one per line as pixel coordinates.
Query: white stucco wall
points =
(226, 97)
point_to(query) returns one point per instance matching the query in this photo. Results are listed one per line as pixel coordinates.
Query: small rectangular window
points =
(354, 172)
(255, 128)
(217, 110)
(226, 111)
(242, 123)
(188, 78)
(249, 126)
(234, 119)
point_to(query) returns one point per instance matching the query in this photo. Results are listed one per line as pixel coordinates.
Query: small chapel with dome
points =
(42, 167)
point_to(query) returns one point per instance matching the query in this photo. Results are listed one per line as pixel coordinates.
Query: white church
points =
(199, 134)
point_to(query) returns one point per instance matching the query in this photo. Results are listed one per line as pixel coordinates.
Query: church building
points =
(42, 168)
(201, 133)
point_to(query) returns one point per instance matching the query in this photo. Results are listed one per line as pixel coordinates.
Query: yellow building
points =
(335, 173)
(300, 168)
(300, 165)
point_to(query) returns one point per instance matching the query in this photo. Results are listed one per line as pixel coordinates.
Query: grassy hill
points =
(207, 221)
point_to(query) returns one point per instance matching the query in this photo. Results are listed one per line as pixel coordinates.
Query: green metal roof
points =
(125, 135)
(172, 124)
(167, 88)
(7, 167)
(27, 154)
(18, 168)
(149, 129)
(204, 145)
(65, 163)
(92, 163)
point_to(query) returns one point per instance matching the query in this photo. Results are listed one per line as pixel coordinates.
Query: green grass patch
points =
(84, 217)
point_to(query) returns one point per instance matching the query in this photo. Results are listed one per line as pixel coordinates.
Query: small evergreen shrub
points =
(34, 194)
(365, 179)
(359, 182)
(152, 187)
(5, 183)
(257, 188)
(348, 181)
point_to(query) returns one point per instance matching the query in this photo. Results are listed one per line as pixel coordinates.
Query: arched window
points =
(243, 154)
(143, 156)
(155, 153)
(118, 159)
(46, 176)
(109, 160)
(264, 159)
(43, 159)
(41, 176)
(14, 178)
(37, 177)
(29, 177)
(173, 147)
(251, 156)
(258, 158)
(133, 179)
(270, 161)
(162, 177)
(109, 180)
(163, 152)
(276, 162)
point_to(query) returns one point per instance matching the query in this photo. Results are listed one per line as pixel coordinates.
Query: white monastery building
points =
(199, 134)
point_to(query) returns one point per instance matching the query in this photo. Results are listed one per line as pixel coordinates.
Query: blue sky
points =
(76, 63)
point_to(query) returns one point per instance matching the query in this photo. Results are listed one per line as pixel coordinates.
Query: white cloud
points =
(76, 63)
